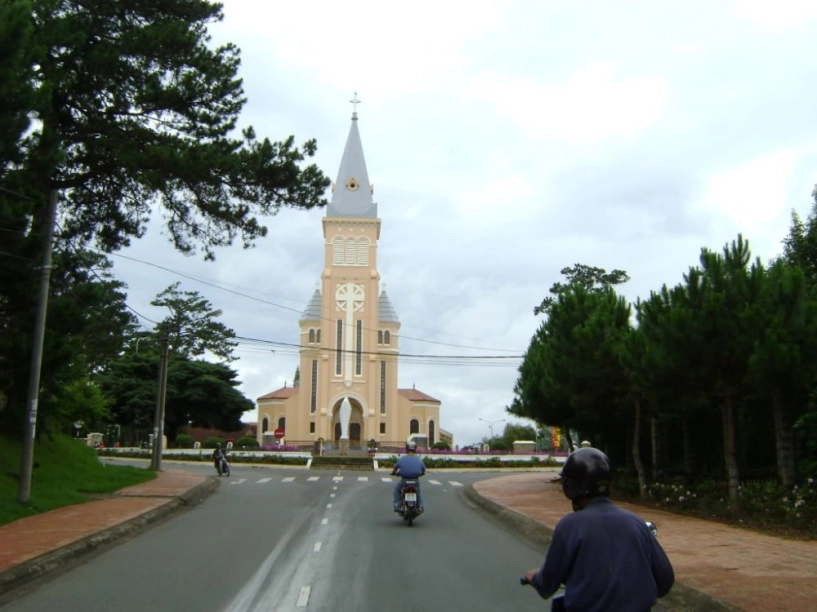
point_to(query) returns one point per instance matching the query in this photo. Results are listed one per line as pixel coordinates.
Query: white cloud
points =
(507, 141)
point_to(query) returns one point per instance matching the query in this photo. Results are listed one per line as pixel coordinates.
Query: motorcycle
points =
(409, 508)
(557, 604)
(222, 467)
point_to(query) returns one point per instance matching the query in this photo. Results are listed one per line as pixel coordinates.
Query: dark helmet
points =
(586, 473)
(411, 446)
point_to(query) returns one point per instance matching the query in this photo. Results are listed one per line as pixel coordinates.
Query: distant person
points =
(410, 467)
(604, 555)
(218, 454)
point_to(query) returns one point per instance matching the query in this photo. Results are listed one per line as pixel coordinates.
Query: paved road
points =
(291, 539)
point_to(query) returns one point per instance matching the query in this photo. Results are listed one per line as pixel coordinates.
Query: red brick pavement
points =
(746, 569)
(31, 537)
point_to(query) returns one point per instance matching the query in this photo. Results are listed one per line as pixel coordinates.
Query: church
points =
(350, 339)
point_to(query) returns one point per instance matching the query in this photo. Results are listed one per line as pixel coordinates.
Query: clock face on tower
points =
(352, 184)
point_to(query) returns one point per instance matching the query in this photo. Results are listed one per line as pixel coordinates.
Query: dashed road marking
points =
(384, 479)
(363, 479)
(435, 482)
(239, 481)
(317, 547)
(313, 478)
(454, 483)
(263, 480)
(331, 495)
(328, 505)
(337, 478)
(303, 598)
(288, 479)
(325, 521)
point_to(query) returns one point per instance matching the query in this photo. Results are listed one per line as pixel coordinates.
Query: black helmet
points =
(586, 473)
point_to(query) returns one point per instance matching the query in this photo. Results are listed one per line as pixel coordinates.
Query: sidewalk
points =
(716, 567)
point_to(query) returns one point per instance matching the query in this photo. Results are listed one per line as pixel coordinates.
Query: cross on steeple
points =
(354, 102)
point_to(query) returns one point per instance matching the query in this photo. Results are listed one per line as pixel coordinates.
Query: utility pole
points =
(27, 462)
(159, 417)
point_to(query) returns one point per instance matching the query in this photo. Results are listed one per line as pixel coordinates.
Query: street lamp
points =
(491, 425)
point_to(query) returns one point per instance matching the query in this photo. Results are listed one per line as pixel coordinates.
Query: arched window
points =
(363, 252)
(386, 337)
(351, 252)
(311, 336)
(318, 336)
(282, 423)
(414, 426)
(380, 336)
(431, 432)
(337, 251)
(265, 425)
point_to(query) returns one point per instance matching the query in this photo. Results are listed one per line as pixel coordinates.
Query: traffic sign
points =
(278, 433)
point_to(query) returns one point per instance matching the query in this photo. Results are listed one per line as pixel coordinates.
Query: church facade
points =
(350, 338)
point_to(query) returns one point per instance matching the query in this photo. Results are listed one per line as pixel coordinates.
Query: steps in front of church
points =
(348, 462)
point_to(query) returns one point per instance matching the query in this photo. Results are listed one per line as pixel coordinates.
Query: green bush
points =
(441, 446)
(246, 442)
(184, 441)
(212, 442)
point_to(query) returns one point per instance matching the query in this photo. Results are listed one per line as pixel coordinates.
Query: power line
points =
(295, 310)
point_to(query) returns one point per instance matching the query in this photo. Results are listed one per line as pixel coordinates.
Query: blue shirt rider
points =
(410, 467)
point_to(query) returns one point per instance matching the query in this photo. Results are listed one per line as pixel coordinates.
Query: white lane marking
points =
(331, 495)
(325, 521)
(317, 547)
(337, 478)
(288, 479)
(251, 590)
(436, 482)
(313, 478)
(334, 488)
(263, 480)
(363, 479)
(454, 483)
(303, 598)
(384, 479)
(239, 481)
(328, 505)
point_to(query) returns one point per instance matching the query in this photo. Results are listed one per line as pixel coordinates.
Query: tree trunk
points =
(569, 439)
(784, 441)
(689, 451)
(639, 466)
(729, 447)
(655, 442)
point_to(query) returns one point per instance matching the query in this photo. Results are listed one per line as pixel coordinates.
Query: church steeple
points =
(352, 192)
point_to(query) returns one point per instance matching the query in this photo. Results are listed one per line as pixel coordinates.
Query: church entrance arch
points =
(355, 420)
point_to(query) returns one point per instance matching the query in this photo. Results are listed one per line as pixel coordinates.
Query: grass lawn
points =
(66, 472)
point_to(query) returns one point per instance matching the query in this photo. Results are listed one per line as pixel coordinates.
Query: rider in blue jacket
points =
(409, 466)
(606, 556)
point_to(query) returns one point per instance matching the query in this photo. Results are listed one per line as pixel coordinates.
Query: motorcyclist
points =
(219, 454)
(408, 467)
(604, 555)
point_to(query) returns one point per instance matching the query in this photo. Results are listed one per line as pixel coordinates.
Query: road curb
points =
(681, 598)
(66, 557)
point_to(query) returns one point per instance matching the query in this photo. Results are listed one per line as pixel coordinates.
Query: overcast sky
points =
(507, 140)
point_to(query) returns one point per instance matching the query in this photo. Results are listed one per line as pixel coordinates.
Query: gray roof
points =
(313, 309)
(352, 194)
(387, 312)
